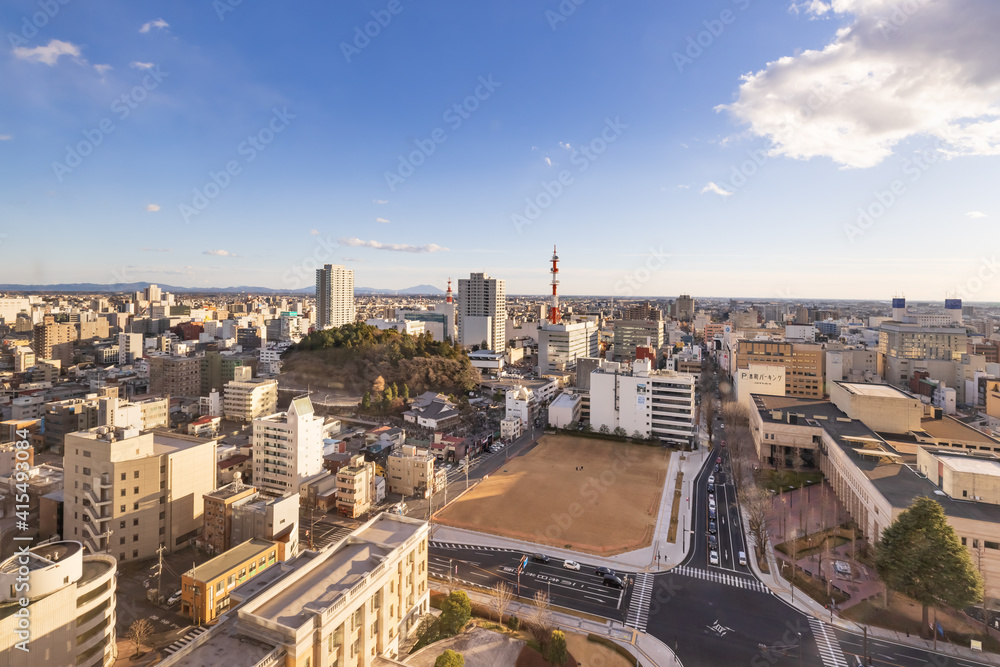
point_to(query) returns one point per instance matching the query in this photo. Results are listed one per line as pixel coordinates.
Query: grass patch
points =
(675, 509)
(779, 481)
(614, 646)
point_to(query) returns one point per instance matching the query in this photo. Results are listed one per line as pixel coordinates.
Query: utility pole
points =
(159, 571)
(865, 649)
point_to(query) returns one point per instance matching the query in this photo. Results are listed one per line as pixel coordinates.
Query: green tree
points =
(395, 390)
(406, 392)
(366, 401)
(456, 610)
(620, 432)
(604, 430)
(637, 436)
(387, 398)
(557, 653)
(920, 556)
(450, 659)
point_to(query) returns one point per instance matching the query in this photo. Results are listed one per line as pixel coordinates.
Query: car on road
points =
(711, 488)
(601, 571)
(571, 565)
(711, 479)
(713, 541)
(712, 528)
(540, 558)
(723, 443)
(711, 512)
(713, 557)
(743, 558)
(174, 599)
(711, 503)
(718, 460)
(613, 581)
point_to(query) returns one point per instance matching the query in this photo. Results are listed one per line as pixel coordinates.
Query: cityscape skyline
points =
(761, 126)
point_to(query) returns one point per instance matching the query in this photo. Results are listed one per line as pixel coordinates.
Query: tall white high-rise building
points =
(287, 447)
(334, 296)
(482, 311)
(560, 345)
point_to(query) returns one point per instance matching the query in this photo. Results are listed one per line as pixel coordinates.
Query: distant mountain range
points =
(241, 289)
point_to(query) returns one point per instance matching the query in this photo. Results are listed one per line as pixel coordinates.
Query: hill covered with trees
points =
(355, 355)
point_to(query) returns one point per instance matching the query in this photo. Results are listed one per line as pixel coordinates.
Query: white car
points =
(711, 502)
(571, 565)
(174, 599)
(713, 557)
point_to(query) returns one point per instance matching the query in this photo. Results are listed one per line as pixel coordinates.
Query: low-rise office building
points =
(205, 588)
(411, 471)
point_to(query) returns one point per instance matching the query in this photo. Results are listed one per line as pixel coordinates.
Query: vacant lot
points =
(585, 494)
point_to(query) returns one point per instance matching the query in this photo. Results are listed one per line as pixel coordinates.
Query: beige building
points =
(24, 358)
(355, 487)
(630, 334)
(70, 607)
(128, 492)
(803, 362)
(236, 512)
(54, 340)
(347, 605)
(246, 400)
(877, 475)
(205, 588)
(901, 345)
(411, 471)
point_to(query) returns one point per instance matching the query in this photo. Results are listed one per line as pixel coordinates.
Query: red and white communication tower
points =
(554, 316)
(447, 299)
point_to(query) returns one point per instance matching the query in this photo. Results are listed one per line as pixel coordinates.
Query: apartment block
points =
(175, 375)
(355, 487)
(287, 447)
(54, 340)
(482, 312)
(128, 492)
(246, 400)
(630, 334)
(71, 607)
(901, 345)
(804, 363)
(334, 296)
(411, 471)
(350, 604)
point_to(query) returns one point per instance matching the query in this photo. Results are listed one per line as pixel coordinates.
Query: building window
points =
(121, 540)
(135, 490)
(123, 492)
(135, 537)
(135, 474)
(991, 545)
(135, 505)
(135, 553)
(162, 514)
(123, 477)
(122, 510)
(135, 522)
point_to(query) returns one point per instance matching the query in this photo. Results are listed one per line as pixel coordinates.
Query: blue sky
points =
(716, 148)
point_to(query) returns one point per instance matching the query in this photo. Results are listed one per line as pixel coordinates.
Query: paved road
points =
(581, 590)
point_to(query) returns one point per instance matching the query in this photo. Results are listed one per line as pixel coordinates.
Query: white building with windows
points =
(482, 312)
(560, 345)
(287, 447)
(634, 397)
(519, 404)
(334, 296)
(565, 410)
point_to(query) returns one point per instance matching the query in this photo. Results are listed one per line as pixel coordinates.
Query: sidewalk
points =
(807, 605)
(649, 650)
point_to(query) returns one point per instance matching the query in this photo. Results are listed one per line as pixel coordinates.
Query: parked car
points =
(713, 541)
(712, 528)
(711, 512)
(571, 565)
(174, 599)
(713, 557)
(540, 558)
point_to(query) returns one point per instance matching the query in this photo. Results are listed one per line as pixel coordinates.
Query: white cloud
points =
(314, 232)
(158, 23)
(5, 137)
(381, 220)
(152, 208)
(548, 162)
(565, 145)
(101, 69)
(712, 187)
(396, 247)
(380, 201)
(684, 187)
(975, 214)
(48, 54)
(897, 71)
(219, 253)
(141, 65)
(814, 8)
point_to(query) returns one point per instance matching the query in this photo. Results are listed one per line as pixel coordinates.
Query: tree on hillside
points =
(456, 610)
(450, 659)
(387, 398)
(378, 386)
(366, 401)
(920, 556)
(406, 392)
(395, 390)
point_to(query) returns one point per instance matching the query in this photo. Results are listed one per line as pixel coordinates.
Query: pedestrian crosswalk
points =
(452, 545)
(638, 609)
(185, 640)
(721, 577)
(829, 647)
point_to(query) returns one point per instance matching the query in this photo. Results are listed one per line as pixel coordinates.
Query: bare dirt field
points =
(585, 494)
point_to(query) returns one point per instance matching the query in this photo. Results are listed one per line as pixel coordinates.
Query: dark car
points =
(711, 488)
(713, 541)
(711, 513)
(613, 581)
(603, 571)
(540, 558)
(711, 527)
